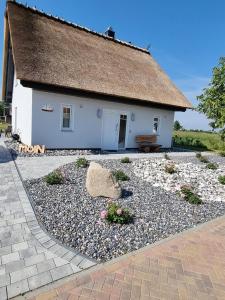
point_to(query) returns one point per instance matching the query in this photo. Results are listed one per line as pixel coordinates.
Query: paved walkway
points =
(35, 167)
(190, 266)
(29, 258)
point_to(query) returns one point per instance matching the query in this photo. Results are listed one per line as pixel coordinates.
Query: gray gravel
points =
(72, 216)
(13, 146)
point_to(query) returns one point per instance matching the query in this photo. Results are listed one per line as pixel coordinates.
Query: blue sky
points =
(186, 37)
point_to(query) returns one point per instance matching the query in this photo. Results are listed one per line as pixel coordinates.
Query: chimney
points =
(110, 32)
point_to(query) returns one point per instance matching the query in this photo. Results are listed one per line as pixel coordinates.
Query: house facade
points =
(74, 88)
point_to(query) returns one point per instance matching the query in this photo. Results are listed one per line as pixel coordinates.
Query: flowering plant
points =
(116, 214)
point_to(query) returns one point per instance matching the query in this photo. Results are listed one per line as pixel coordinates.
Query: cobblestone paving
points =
(29, 258)
(188, 266)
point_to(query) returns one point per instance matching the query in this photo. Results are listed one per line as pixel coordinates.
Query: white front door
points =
(110, 129)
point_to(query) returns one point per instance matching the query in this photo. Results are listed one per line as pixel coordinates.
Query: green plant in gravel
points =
(204, 160)
(82, 162)
(198, 155)
(125, 160)
(120, 175)
(222, 153)
(166, 156)
(54, 177)
(212, 166)
(170, 168)
(221, 179)
(116, 214)
(189, 195)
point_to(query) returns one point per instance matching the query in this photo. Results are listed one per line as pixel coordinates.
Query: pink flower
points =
(119, 211)
(104, 214)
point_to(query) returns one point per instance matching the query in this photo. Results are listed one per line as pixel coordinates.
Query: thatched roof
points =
(51, 51)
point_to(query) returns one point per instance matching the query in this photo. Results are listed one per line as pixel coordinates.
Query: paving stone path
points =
(188, 266)
(29, 258)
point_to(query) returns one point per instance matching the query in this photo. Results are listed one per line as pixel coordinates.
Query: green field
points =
(3, 125)
(198, 140)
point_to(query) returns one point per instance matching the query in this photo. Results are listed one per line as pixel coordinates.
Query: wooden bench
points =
(147, 143)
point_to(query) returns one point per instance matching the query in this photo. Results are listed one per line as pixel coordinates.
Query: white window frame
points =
(71, 118)
(159, 125)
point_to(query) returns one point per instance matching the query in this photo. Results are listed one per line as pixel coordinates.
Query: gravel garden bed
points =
(13, 146)
(72, 216)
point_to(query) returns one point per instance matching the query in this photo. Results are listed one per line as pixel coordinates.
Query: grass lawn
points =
(198, 140)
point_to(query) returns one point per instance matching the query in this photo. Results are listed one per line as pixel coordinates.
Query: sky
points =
(186, 37)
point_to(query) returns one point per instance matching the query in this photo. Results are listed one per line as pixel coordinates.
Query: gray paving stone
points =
(33, 260)
(3, 294)
(10, 257)
(86, 263)
(17, 288)
(2, 270)
(61, 272)
(14, 266)
(20, 246)
(77, 260)
(28, 252)
(59, 261)
(39, 280)
(46, 265)
(5, 250)
(4, 280)
(23, 273)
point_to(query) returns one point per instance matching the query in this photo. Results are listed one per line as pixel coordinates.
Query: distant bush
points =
(54, 177)
(120, 175)
(82, 162)
(221, 179)
(188, 141)
(125, 160)
(212, 166)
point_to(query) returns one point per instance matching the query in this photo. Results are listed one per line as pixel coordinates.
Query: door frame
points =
(118, 112)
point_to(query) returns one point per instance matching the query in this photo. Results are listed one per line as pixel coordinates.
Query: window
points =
(66, 117)
(156, 125)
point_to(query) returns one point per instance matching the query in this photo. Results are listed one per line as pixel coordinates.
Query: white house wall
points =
(87, 127)
(22, 102)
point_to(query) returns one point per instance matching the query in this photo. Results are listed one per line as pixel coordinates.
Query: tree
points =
(177, 125)
(2, 108)
(212, 100)
(212, 125)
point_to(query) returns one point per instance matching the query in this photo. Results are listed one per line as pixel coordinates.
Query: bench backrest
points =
(146, 138)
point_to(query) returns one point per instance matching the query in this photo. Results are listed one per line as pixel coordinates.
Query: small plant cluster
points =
(201, 158)
(82, 162)
(125, 160)
(116, 214)
(54, 177)
(166, 156)
(189, 195)
(212, 166)
(120, 175)
(222, 153)
(221, 179)
(170, 168)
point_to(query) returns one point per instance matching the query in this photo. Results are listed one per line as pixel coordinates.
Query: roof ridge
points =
(74, 25)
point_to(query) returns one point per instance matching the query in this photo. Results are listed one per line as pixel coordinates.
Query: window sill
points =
(66, 130)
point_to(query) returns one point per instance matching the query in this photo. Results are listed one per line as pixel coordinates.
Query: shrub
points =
(116, 214)
(170, 168)
(125, 160)
(204, 160)
(54, 177)
(166, 156)
(82, 162)
(222, 153)
(120, 175)
(198, 155)
(221, 179)
(189, 195)
(212, 166)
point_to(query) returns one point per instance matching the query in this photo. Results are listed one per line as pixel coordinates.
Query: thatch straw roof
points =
(51, 51)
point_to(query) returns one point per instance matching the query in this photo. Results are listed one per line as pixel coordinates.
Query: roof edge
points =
(102, 96)
(74, 25)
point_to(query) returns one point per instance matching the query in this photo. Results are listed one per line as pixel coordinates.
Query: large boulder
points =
(100, 182)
